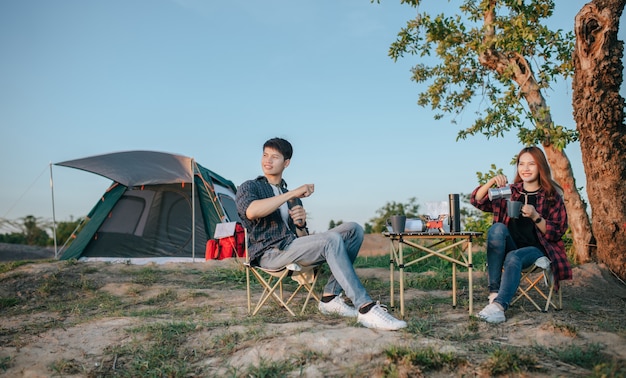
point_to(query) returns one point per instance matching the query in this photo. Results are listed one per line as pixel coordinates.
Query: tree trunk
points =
(599, 116)
(502, 61)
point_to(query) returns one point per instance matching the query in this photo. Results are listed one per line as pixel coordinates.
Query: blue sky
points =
(213, 80)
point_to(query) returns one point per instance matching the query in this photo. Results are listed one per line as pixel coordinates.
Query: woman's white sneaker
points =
(492, 313)
(378, 318)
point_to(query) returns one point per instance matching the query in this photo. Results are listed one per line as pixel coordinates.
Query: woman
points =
(514, 244)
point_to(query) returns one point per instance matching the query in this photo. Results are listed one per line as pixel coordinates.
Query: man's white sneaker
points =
(378, 318)
(492, 313)
(337, 306)
(492, 297)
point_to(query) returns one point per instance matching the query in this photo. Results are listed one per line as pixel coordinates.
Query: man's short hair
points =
(281, 145)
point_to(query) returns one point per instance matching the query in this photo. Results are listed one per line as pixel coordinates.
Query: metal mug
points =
(497, 193)
(397, 223)
(513, 208)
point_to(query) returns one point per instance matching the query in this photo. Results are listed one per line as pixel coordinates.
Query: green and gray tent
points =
(161, 207)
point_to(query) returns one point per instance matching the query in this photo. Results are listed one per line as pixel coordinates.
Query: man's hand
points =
(304, 190)
(298, 214)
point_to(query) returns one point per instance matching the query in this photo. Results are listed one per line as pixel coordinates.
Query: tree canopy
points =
(479, 68)
(496, 58)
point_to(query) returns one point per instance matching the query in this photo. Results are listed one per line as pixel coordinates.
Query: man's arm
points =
(263, 207)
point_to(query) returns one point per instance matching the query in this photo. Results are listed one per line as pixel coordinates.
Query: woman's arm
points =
(499, 181)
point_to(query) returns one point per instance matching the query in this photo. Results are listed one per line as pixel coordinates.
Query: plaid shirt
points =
(267, 232)
(553, 211)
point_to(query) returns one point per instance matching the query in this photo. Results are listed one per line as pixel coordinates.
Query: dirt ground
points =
(593, 315)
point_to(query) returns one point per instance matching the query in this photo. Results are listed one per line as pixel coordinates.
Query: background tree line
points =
(31, 230)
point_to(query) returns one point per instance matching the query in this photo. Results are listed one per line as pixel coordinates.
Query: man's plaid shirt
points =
(267, 232)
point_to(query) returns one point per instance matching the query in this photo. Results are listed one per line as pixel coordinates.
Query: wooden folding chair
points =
(530, 282)
(272, 282)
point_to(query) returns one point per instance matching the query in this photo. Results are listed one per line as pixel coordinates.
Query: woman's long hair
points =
(545, 174)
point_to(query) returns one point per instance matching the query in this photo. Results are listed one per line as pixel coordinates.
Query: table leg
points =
(391, 269)
(453, 285)
(401, 268)
(469, 273)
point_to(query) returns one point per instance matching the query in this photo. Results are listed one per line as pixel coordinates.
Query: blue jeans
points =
(338, 247)
(505, 263)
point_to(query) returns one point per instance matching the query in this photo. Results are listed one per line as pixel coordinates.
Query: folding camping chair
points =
(272, 282)
(531, 280)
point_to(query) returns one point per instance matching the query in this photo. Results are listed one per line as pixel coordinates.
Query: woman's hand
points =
(529, 211)
(499, 181)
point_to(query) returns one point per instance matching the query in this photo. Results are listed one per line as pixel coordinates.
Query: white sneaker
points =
(543, 262)
(337, 306)
(492, 297)
(492, 313)
(378, 318)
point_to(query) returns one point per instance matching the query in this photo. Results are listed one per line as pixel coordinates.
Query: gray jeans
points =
(338, 247)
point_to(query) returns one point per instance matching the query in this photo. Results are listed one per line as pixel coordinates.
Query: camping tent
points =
(160, 207)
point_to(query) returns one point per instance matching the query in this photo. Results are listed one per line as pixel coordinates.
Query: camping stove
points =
(435, 224)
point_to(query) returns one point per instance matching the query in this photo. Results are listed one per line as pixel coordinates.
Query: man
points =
(273, 230)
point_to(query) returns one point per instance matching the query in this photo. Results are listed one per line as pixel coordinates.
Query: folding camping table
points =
(458, 252)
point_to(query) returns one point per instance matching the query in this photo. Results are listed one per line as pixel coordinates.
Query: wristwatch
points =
(538, 220)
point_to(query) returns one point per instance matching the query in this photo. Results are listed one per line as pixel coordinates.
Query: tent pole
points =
(54, 220)
(193, 211)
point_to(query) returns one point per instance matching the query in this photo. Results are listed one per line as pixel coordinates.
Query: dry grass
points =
(182, 320)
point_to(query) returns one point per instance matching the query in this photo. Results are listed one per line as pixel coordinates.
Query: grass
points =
(420, 360)
(614, 368)
(479, 261)
(267, 368)
(5, 363)
(173, 339)
(294, 365)
(147, 276)
(12, 265)
(422, 326)
(8, 302)
(163, 349)
(64, 367)
(235, 278)
(587, 356)
(505, 360)
(575, 355)
(436, 280)
(465, 333)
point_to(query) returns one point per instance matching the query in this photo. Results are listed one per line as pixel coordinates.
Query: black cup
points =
(292, 203)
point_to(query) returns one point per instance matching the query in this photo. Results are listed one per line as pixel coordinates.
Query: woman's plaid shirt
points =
(553, 211)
